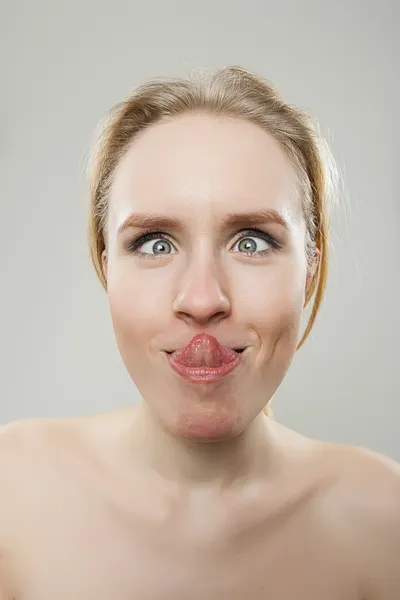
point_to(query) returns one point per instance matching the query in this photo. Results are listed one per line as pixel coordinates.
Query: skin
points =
(194, 493)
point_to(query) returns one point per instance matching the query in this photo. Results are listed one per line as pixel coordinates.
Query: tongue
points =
(204, 351)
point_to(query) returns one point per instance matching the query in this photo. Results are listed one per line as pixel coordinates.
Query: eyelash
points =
(156, 234)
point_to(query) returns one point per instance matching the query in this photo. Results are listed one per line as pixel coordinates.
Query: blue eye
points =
(249, 246)
(159, 248)
(246, 243)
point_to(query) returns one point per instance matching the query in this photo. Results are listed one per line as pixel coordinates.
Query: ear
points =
(104, 263)
(312, 269)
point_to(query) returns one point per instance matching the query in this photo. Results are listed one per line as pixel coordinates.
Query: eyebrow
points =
(231, 220)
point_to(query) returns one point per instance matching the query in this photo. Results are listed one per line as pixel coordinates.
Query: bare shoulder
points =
(365, 477)
(357, 503)
(20, 438)
(364, 507)
(28, 449)
(31, 449)
(351, 477)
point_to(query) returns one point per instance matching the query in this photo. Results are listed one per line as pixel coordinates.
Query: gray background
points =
(63, 64)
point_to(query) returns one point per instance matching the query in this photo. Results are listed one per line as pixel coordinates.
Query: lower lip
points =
(205, 374)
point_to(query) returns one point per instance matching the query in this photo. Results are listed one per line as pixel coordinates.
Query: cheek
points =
(273, 301)
(138, 304)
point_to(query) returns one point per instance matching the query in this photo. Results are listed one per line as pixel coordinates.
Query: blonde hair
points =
(235, 92)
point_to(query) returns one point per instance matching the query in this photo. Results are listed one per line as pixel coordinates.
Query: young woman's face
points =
(242, 282)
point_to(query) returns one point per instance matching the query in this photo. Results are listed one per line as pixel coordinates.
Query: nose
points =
(201, 296)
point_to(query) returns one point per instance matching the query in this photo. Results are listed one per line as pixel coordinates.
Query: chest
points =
(87, 548)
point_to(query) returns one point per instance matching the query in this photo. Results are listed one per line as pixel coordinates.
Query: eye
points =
(248, 245)
(157, 246)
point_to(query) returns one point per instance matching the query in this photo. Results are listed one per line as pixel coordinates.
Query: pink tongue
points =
(204, 351)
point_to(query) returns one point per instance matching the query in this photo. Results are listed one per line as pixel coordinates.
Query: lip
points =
(205, 374)
(231, 346)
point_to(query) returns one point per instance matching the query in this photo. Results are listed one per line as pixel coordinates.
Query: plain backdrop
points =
(64, 64)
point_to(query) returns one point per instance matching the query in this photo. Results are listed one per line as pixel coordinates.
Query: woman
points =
(208, 227)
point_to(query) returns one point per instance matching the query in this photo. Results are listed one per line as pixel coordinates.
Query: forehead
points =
(200, 166)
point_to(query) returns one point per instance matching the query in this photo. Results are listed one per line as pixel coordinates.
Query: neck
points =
(219, 464)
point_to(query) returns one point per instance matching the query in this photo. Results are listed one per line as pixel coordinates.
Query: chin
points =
(207, 426)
